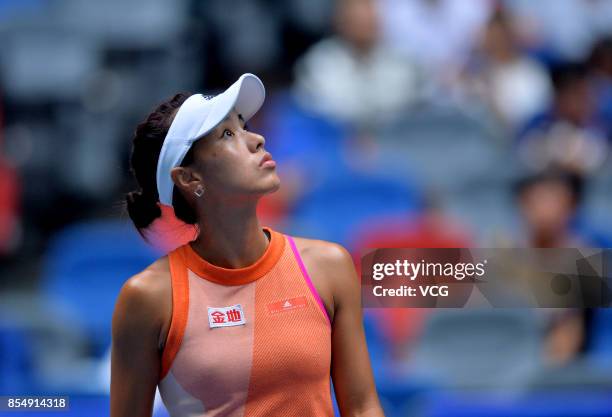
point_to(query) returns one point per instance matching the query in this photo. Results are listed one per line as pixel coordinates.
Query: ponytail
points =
(143, 203)
(142, 208)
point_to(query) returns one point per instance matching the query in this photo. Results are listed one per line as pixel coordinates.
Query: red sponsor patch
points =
(287, 304)
(225, 316)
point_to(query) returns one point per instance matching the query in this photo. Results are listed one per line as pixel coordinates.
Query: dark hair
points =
(600, 56)
(574, 182)
(567, 74)
(146, 145)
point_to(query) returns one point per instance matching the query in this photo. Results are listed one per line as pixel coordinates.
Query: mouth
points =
(267, 161)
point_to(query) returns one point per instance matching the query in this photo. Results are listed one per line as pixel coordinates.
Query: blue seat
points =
(333, 210)
(378, 347)
(16, 361)
(293, 132)
(489, 343)
(397, 390)
(595, 231)
(537, 404)
(85, 266)
(302, 141)
(9, 8)
(601, 341)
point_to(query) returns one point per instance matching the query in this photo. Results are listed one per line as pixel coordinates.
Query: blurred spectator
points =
(570, 133)
(345, 85)
(600, 66)
(515, 86)
(351, 76)
(9, 208)
(10, 196)
(562, 30)
(548, 202)
(438, 33)
(400, 328)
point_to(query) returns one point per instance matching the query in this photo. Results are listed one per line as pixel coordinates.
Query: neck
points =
(230, 236)
(548, 240)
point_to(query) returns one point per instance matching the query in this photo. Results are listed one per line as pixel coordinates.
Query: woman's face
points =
(233, 163)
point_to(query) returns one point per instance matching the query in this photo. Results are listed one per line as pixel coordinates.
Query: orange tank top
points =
(247, 342)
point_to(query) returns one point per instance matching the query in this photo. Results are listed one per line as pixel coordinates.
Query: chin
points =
(264, 187)
(274, 186)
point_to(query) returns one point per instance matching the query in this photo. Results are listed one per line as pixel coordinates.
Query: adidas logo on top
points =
(288, 304)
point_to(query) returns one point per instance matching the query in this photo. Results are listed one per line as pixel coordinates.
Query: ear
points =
(186, 179)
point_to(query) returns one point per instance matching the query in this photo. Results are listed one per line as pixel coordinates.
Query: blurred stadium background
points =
(416, 123)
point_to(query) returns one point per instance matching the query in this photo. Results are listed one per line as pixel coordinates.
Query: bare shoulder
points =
(150, 284)
(331, 269)
(145, 299)
(322, 252)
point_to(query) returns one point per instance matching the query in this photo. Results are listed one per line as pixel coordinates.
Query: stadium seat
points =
(574, 403)
(16, 361)
(333, 210)
(601, 341)
(86, 264)
(473, 348)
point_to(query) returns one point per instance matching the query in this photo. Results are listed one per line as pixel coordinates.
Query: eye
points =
(227, 133)
(246, 127)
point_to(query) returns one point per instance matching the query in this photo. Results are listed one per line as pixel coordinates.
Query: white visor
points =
(197, 116)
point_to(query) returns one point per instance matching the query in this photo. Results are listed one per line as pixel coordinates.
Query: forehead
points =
(547, 187)
(231, 118)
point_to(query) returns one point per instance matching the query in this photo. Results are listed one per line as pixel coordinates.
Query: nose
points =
(255, 141)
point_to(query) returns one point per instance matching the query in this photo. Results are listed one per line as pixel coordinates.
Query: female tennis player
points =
(244, 320)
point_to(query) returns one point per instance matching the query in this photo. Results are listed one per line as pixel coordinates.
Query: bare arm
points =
(351, 369)
(135, 357)
(565, 337)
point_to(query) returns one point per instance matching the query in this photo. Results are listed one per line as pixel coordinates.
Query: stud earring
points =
(199, 192)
